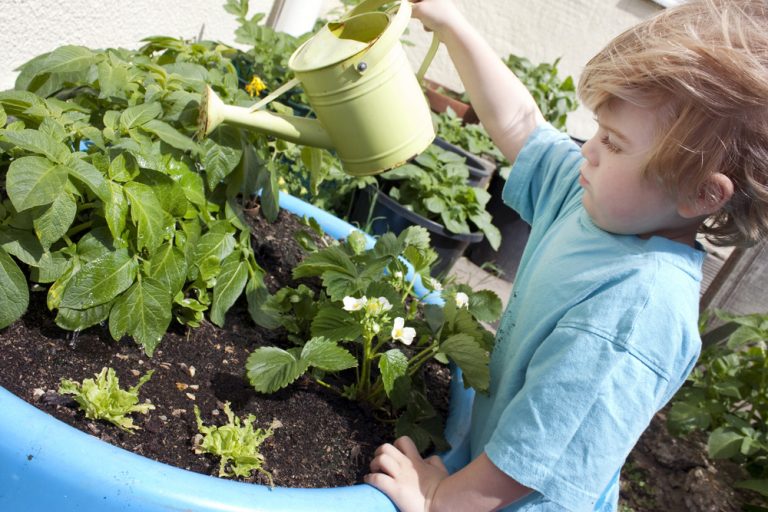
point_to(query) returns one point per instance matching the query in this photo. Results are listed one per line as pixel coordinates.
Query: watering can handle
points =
(392, 35)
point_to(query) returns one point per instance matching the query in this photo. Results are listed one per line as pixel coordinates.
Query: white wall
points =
(32, 27)
(540, 30)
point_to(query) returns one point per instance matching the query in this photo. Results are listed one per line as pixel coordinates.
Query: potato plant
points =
(109, 202)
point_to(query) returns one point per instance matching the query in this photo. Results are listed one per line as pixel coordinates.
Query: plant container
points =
(386, 214)
(441, 97)
(46, 465)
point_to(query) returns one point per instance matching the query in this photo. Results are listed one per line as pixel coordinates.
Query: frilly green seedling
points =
(236, 444)
(102, 399)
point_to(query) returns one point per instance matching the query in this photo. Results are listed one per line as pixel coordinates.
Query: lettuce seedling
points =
(102, 398)
(236, 444)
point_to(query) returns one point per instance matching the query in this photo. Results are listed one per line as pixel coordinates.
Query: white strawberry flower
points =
(436, 285)
(378, 306)
(462, 300)
(353, 304)
(402, 333)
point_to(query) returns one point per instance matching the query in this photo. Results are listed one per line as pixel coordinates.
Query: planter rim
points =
(420, 220)
(46, 464)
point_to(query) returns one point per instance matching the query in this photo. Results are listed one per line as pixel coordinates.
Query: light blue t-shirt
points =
(600, 332)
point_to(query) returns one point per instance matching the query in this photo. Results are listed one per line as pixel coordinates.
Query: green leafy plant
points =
(103, 399)
(555, 96)
(269, 50)
(437, 189)
(727, 397)
(236, 443)
(108, 200)
(471, 137)
(366, 334)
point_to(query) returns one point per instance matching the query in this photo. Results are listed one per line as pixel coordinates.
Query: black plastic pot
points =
(480, 169)
(389, 215)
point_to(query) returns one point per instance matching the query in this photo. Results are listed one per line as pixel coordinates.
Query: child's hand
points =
(399, 472)
(436, 15)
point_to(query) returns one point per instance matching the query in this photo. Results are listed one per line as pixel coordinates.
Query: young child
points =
(601, 329)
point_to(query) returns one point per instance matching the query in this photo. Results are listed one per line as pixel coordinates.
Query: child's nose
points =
(588, 151)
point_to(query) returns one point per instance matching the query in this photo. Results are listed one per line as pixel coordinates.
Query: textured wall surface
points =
(539, 30)
(542, 31)
(32, 27)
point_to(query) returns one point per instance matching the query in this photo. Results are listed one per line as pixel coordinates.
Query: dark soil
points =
(324, 440)
(673, 474)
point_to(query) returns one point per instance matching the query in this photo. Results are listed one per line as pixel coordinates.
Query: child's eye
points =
(610, 146)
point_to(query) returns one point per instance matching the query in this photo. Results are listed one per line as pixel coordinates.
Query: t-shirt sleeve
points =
(545, 175)
(579, 387)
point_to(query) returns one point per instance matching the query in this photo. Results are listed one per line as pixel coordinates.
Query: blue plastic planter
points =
(48, 466)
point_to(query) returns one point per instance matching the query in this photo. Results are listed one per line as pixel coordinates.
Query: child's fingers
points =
(385, 463)
(406, 445)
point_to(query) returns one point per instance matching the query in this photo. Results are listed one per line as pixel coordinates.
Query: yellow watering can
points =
(370, 107)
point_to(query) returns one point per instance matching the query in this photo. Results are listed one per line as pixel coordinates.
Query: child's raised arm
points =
(502, 102)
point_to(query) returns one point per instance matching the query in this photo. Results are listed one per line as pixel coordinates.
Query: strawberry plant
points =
(109, 202)
(368, 324)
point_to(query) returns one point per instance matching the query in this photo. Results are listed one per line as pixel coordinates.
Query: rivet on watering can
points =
(362, 66)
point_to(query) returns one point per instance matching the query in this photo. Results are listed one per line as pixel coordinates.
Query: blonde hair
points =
(704, 67)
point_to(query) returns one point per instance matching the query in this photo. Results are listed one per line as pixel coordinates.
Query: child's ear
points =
(711, 196)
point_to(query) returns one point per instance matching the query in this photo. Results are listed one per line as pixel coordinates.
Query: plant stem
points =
(422, 357)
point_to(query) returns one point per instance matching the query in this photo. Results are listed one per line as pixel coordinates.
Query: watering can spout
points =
(213, 112)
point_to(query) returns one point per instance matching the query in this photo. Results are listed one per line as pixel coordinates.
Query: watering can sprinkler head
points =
(210, 115)
(369, 105)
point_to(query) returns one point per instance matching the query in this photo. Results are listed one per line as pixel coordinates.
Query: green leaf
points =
(221, 154)
(332, 258)
(143, 312)
(485, 305)
(258, 295)
(325, 354)
(36, 141)
(272, 368)
(34, 181)
(684, 417)
(147, 214)
(116, 210)
(14, 293)
(470, 357)
(67, 59)
(392, 364)
(89, 176)
(139, 115)
(724, 443)
(169, 267)
(55, 219)
(103, 399)
(100, 281)
(50, 267)
(213, 244)
(335, 324)
(759, 486)
(170, 135)
(77, 320)
(229, 286)
(22, 244)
